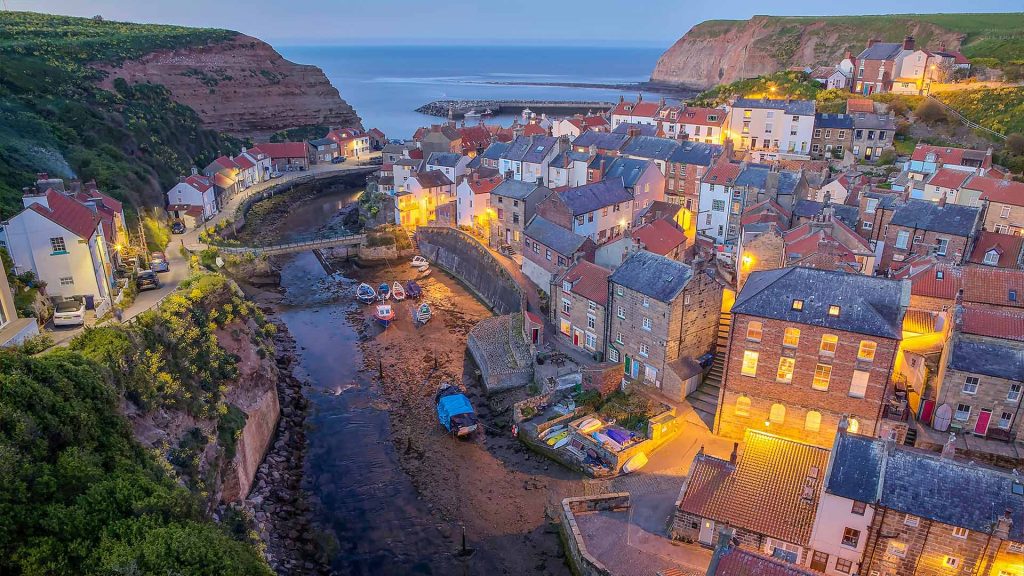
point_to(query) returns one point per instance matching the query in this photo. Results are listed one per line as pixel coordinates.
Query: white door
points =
(707, 532)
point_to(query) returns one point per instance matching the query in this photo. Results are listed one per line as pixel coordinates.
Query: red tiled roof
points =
(699, 115)
(284, 149)
(998, 190)
(1008, 324)
(644, 109)
(226, 162)
(860, 105)
(474, 137)
(741, 562)
(764, 211)
(926, 281)
(588, 122)
(243, 163)
(948, 178)
(201, 183)
(68, 213)
(416, 154)
(534, 130)
(589, 281)
(660, 237)
(195, 211)
(993, 286)
(763, 492)
(945, 154)
(483, 185)
(222, 181)
(724, 172)
(1008, 246)
(376, 133)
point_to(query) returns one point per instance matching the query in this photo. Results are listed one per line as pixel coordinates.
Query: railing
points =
(352, 239)
(966, 121)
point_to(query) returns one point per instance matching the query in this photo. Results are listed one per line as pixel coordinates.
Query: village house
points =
(352, 142)
(549, 249)
(661, 236)
(875, 210)
(879, 64)
(439, 138)
(686, 167)
(286, 155)
(831, 77)
(578, 124)
(324, 150)
(14, 331)
(488, 159)
(393, 152)
(403, 169)
(190, 192)
(262, 164)
(449, 164)
(514, 202)
(527, 158)
(654, 148)
(638, 112)
(944, 184)
(808, 346)
(568, 168)
(872, 135)
(722, 205)
(579, 299)
(998, 250)
(424, 192)
(832, 137)
(927, 159)
(474, 139)
(1003, 201)
(768, 495)
(641, 178)
(805, 211)
(922, 228)
(828, 244)
(599, 210)
(779, 126)
(715, 198)
(376, 138)
(473, 199)
(592, 143)
(916, 72)
(697, 124)
(840, 188)
(663, 316)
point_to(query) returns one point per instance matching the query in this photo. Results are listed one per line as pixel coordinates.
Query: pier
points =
(459, 108)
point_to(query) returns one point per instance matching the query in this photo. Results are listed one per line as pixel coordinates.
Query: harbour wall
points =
(464, 257)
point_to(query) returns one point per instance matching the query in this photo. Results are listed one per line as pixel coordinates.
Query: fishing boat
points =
(423, 314)
(397, 292)
(552, 431)
(562, 442)
(635, 463)
(551, 441)
(419, 262)
(454, 411)
(365, 293)
(413, 290)
(384, 314)
(383, 291)
(589, 425)
(472, 114)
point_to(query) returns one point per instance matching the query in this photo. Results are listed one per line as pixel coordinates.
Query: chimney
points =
(195, 170)
(662, 101)
(639, 98)
(722, 547)
(732, 455)
(949, 448)
(181, 179)
(633, 131)
(908, 43)
(1003, 525)
(42, 176)
(844, 424)
(75, 186)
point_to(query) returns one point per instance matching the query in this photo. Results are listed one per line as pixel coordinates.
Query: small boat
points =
(397, 292)
(454, 411)
(419, 261)
(384, 314)
(423, 313)
(413, 290)
(365, 293)
(424, 272)
(557, 437)
(589, 425)
(635, 463)
(472, 114)
(383, 291)
(561, 442)
(552, 431)
(606, 441)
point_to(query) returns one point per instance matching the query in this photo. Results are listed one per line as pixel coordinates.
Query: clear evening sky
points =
(591, 22)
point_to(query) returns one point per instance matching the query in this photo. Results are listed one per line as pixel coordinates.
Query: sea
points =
(385, 84)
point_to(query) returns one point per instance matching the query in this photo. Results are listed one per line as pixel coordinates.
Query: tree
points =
(930, 112)
(1015, 144)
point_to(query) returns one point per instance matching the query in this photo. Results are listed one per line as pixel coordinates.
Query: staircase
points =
(911, 437)
(705, 398)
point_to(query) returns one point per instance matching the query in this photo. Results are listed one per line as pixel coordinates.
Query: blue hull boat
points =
(365, 294)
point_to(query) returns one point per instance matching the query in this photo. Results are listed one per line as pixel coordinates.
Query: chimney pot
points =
(733, 456)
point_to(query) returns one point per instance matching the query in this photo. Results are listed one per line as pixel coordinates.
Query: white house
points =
(576, 125)
(194, 190)
(450, 164)
(831, 77)
(403, 170)
(527, 158)
(62, 241)
(568, 168)
(715, 199)
(776, 126)
(639, 112)
(262, 164)
(473, 196)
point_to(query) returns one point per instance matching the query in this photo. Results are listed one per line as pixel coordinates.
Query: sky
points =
(515, 22)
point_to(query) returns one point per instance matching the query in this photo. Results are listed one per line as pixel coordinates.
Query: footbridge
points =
(298, 246)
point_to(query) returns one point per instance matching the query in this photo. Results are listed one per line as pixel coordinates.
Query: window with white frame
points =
(1004, 212)
(828, 345)
(57, 245)
(67, 281)
(591, 341)
(822, 375)
(942, 247)
(859, 384)
(754, 331)
(742, 406)
(613, 354)
(962, 533)
(952, 562)
(1005, 419)
(618, 337)
(991, 258)
(650, 373)
(867, 225)
(785, 372)
(749, 363)
(777, 414)
(902, 239)
(647, 323)
(812, 423)
(971, 385)
(646, 302)
(566, 305)
(591, 321)
(1014, 393)
(911, 520)
(644, 350)
(621, 313)
(963, 412)
(866, 351)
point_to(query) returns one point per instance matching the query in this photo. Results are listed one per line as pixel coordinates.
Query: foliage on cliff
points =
(1001, 109)
(80, 497)
(53, 118)
(794, 85)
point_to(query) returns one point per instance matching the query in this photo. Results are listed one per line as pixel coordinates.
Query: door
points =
(984, 417)
(943, 417)
(536, 335)
(627, 366)
(577, 337)
(819, 561)
(707, 532)
(926, 411)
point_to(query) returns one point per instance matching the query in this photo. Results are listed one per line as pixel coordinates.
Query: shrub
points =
(930, 112)
(1015, 144)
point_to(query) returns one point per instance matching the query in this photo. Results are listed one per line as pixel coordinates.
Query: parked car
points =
(275, 174)
(337, 160)
(70, 313)
(178, 227)
(158, 262)
(147, 280)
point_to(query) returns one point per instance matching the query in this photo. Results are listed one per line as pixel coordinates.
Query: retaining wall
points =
(580, 560)
(464, 257)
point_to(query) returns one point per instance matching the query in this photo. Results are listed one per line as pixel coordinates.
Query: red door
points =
(575, 337)
(926, 411)
(981, 428)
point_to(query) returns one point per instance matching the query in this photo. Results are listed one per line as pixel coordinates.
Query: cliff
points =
(241, 86)
(720, 51)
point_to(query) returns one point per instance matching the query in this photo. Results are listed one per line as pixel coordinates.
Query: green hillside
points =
(133, 141)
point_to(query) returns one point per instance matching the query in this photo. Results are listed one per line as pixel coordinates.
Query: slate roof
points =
(763, 492)
(792, 107)
(840, 121)
(872, 121)
(761, 177)
(562, 241)
(322, 142)
(432, 179)
(855, 468)
(650, 147)
(926, 215)
(516, 189)
(628, 169)
(602, 140)
(881, 51)
(868, 305)
(810, 208)
(565, 158)
(658, 209)
(495, 150)
(653, 275)
(530, 148)
(643, 129)
(446, 159)
(594, 196)
(589, 281)
(695, 153)
(987, 357)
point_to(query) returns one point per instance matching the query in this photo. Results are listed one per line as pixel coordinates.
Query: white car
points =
(275, 174)
(69, 313)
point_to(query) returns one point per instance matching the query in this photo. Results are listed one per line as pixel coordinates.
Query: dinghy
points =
(552, 431)
(383, 291)
(454, 411)
(422, 314)
(589, 425)
(419, 262)
(557, 437)
(561, 442)
(635, 463)
(397, 292)
(384, 314)
(365, 293)
(413, 290)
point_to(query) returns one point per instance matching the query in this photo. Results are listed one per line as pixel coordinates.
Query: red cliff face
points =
(242, 87)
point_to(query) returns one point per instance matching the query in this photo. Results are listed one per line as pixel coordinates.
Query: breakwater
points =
(459, 108)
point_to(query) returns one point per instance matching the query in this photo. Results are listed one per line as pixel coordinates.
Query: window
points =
(613, 354)
(897, 549)
(67, 281)
(791, 338)
(971, 385)
(591, 321)
(819, 561)
(867, 349)
(1004, 212)
(647, 323)
(591, 341)
(858, 508)
(828, 345)
(749, 363)
(646, 302)
(911, 520)
(853, 426)
(1004, 420)
(859, 384)
(841, 135)
(822, 375)
(961, 532)
(777, 415)
(798, 305)
(843, 565)
(1015, 548)
(547, 254)
(815, 148)
(812, 422)
(565, 327)
(754, 331)
(952, 562)
(58, 246)
(942, 247)
(644, 350)
(718, 205)
(785, 373)
(621, 313)
(618, 290)
(902, 238)
(833, 310)
(591, 305)
(618, 337)
(650, 373)
(1002, 228)
(963, 412)
(566, 305)
(828, 133)
(817, 132)
(991, 258)
(851, 537)
(1014, 393)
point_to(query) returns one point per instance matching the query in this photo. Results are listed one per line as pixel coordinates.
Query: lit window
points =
(742, 406)
(828, 345)
(812, 422)
(749, 363)
(866, 352)
(791, 338)
(754, 331)
(859, 384)
(897, 549)
(851, 537)
(565, 326)
(798, 304)
(777, 414)
(952, 562)
(833, 310)
(591, 341)
(822, 375)
(971, 385)
(853, 426)
(961, 532)
(785, 373)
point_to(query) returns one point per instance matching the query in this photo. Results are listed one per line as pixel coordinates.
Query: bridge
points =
(353, 240)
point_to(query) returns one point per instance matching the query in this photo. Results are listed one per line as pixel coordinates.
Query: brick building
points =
(549, 249)
(807, 348)
(832, 137)
(514, 202)
(684, 171)
(579, 302)
(1003, 200)
(663, 315)
(923, 228)
(598, 210)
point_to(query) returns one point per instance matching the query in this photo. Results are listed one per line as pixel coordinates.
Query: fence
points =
(963, 119)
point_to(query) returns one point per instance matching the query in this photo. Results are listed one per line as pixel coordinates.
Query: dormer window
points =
(566, 286)
(991, 258)
(798, 305)
(833, 310)
(939, 274)
(1013, 295)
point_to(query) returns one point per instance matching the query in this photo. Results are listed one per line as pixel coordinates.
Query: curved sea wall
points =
(464, 257)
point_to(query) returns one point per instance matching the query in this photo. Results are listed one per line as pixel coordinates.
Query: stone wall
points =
(260, 426)
(580, 560)
(501, 351)
(467, 259)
